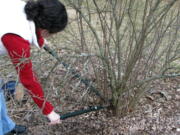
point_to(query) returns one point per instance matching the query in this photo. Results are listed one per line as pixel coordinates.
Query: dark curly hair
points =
(47, 14)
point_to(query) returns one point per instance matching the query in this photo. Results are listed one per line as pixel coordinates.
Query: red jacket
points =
(19, 52)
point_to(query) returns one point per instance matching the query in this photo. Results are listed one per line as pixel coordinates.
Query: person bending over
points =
(22, 25)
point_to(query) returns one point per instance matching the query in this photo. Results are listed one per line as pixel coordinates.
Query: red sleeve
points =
(19, 52)
(40, 38)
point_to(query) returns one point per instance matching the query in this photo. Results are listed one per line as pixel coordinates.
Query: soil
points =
(158, 113)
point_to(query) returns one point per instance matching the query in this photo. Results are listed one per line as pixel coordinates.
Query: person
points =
(23, 24)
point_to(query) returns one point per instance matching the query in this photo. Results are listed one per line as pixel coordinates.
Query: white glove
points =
(54, 118)
(46, 42)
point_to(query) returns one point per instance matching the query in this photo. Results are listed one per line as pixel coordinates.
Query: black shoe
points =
(18, 129)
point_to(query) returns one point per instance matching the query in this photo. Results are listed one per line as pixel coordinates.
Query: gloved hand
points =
(54, 118)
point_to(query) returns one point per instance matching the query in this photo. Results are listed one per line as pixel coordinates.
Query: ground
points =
(158, 113)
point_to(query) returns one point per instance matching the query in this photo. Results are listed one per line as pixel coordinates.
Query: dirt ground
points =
(158, 113)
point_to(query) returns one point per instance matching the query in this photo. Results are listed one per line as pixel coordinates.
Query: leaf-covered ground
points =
(158, 113)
